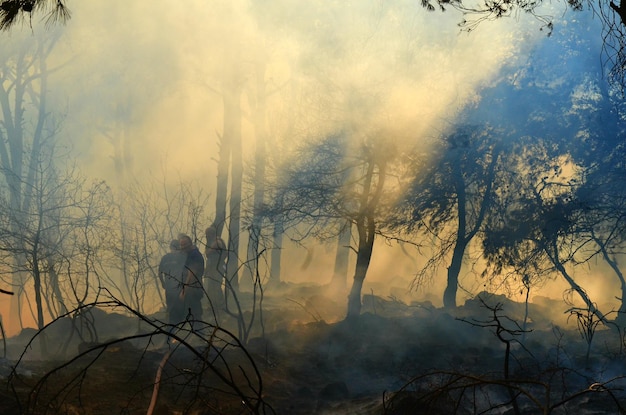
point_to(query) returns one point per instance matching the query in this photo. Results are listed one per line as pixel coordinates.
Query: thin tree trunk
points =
(277, 246)
(339, 279)
(449, 294)
(56, 290)
(28, 70)
(38, 299)
(364, 255)
(260, 156)
(234, 229)
(13, 168)
(221, 193)
(231, 128)
(577, 288)
(621, 312)
(366, 229)
(463, 237)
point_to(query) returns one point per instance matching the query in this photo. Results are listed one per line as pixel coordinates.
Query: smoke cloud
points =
(147, 79)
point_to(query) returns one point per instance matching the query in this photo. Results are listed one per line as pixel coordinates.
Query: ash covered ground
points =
(489, 356)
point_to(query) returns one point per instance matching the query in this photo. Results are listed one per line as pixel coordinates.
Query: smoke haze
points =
(156, 70)
(147, 79)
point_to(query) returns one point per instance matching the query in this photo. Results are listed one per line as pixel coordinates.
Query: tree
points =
(451, 197)
(598, 200)
(538, 225)
(258, 100)
(149, 215)
(565, 130)
(54, 237)
(340, 271)
(612, 16)
(599, 203)
(25, 128)
(335, 181)
(11, 11)
(278, 230)
(231, 161)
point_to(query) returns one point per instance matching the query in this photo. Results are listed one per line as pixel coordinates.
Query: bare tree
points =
(149, 215)
(259, 121)
(335, 181)
(63, 208)
(278, 231)
(230, 170)
(25, 128)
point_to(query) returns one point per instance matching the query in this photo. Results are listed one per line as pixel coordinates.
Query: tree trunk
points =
(120, 141)
(577, 288)
(466, 232)
(230, 159)
(252, 260)
(231, 128)
(56, 290)
(354, 298)
(366, 230)
(449, 294)
(12, 166)
(221, 192)
(38, 299)
(234, 229)
(363, 257)
(621, 312)
(277, 248)
(30, 72)
(342, 255)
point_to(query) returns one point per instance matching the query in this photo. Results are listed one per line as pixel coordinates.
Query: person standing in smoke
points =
(216, 255)
(171, 270)
(192, 290)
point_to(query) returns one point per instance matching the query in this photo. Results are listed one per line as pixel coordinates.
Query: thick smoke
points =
(148, 79)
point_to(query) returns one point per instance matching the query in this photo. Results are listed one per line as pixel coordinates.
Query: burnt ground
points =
(397, 358)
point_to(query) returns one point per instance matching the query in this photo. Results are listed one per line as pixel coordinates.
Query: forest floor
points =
(396, 358)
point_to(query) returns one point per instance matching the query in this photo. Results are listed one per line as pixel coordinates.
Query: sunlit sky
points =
(153, 71)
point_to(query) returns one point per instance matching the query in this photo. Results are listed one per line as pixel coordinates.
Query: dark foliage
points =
(11, 11)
